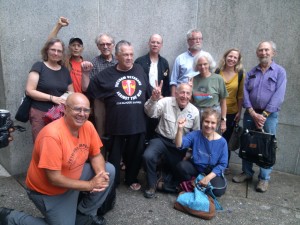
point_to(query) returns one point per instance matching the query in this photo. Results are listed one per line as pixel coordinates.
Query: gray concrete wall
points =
(25, 25)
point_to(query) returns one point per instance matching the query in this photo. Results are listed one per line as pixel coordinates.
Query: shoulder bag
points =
(201, 202)
(234, 141)
(22, 114)
(258, 147)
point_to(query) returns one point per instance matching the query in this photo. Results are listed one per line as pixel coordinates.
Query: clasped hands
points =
(99, 182)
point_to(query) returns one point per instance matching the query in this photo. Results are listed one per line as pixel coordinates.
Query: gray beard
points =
(196, 48)
(265, 60)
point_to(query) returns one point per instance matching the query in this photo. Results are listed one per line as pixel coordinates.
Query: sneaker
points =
(149, 193)
(241, 178)
(99, 220)
(262, 186)
(4, 212)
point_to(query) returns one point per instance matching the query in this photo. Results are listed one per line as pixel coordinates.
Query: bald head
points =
(77, 111)
(183, 94)
(77, 98)
(155, 43)
(156, 36)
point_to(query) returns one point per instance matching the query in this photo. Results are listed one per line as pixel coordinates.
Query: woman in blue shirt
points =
(209, 152)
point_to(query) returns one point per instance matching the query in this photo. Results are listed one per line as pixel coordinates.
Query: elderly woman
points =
(231, 69)
(209, 88)
(209, 152)
(47, 81)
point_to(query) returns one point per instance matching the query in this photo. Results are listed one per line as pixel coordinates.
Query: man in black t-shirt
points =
(124, 89)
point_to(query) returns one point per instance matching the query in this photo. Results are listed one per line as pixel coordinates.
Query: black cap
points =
(75, 39)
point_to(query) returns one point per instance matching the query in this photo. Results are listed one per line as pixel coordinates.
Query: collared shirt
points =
(183, 69)
(168, 111)
(265, 91)
(100, 63)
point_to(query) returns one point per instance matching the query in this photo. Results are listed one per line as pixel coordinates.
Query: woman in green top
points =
(209, 88)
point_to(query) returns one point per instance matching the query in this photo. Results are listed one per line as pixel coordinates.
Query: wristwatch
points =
(224, 119)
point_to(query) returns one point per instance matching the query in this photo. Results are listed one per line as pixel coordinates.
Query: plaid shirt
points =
(100, 64)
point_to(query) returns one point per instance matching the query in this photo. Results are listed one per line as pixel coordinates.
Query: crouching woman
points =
(209, 152)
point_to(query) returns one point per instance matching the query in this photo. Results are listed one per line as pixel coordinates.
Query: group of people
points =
(185, 118)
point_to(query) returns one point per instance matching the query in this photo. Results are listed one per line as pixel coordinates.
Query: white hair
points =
(211, 61)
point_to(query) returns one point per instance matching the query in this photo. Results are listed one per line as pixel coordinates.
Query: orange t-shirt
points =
(76, 74)
(56, 149)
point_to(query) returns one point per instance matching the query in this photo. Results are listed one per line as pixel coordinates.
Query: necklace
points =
(208, 137)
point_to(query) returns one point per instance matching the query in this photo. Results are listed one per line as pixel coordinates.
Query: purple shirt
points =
(265, 91)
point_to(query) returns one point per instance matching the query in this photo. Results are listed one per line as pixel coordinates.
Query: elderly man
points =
(157, 69)
(154, 65)
(73, 61)
(264, 91)
(168, 110)
(105, 44)
(124, 89)
(59, 171)
(183, 66)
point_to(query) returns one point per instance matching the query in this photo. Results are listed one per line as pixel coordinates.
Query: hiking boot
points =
(4, 212)
(241, 178)
(262, 186)
(149, 193)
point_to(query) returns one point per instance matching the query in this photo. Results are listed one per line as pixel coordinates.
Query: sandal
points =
(135, 186)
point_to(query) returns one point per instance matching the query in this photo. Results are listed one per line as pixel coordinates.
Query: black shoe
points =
(98, 220)
(4, 212)
(149, 193)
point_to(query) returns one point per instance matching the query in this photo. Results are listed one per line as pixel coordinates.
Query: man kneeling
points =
(59, 171)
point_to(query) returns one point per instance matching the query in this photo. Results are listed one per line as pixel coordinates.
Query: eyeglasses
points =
(103, 44)
(196, 39)
(58, 51)
(79, 110)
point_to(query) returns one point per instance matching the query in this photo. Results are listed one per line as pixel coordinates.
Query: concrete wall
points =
(25, 25)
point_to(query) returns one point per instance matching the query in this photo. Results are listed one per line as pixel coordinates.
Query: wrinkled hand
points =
(10, 130)
(58, 100)
(223, 126)
(190, 82)
(99, 182)
(156, 92)
(181, 122)
(86, 66)
(259, 120)
(204, 182)
(63, 21)
(237, 117)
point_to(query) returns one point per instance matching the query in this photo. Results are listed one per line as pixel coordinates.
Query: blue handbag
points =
(201, 202)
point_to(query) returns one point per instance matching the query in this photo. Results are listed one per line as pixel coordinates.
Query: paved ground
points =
(242, 205)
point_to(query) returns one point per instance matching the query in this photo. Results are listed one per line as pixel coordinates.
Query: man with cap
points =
(74, 59)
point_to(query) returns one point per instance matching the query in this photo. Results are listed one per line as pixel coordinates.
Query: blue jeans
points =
(270, 126)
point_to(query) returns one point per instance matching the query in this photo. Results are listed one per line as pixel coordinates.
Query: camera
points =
(5, 124)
